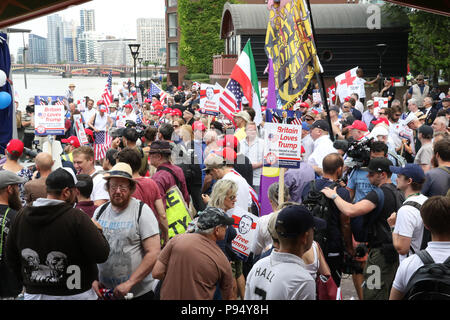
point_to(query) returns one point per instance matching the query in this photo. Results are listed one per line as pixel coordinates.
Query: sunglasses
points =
(309, 119)
(382, 112)
(232, 198)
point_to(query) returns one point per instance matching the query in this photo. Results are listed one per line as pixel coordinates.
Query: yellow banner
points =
(290, 44)
(178, 216)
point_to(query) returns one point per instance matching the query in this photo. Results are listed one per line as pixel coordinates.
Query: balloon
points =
(5, 100)
(2, 78)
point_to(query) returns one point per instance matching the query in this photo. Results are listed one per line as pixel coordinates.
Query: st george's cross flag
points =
(101, 144)
(244, 73)
(346, 84)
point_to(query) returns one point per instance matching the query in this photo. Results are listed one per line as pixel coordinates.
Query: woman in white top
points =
(315, 261)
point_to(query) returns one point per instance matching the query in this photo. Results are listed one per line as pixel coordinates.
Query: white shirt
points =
(100, 122)
(394, 130)
(308, 145)
(322, 147)
(243, 198)
(359, 106)
(131, 116)
(255, 153)
(263, 240)
(280, 276)
(409, 224)
(98, 191)
(362, 91)
(439, 251)
(88, 114)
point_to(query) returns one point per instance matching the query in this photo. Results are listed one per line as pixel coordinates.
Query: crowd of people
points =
(149, 216)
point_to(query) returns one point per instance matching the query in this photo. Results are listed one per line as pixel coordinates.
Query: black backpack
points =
(321, 207)
(431, 281)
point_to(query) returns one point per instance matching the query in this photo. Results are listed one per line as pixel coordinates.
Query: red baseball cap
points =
(198, 125)
(176, 112)
(147, 100)
(89, 132)
(156, 113)
(100, 102)
(15, 146)
(381, 120)
(229, 141)
(227, 153)
(128, 106)
(72, 140)
(134, 93)
(304, 105)
(167, 111)
(359, 125)
(347, 99)
(180, 87)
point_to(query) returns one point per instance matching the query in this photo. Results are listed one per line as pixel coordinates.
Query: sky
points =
(112, 17)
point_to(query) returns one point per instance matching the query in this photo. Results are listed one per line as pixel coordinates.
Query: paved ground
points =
(347, 288)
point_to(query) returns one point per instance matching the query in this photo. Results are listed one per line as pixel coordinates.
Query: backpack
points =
(359, 225)
(400, 161)
(431, 281)
(426, 237)
(321, 207)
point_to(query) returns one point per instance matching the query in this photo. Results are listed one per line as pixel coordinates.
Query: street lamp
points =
(146, 63)
(381, 50)
(134, 48)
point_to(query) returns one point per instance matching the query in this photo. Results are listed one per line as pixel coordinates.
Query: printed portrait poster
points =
(245, 225)
(49, 115)
(282, 148)
(378, 103)
(317, 97)
(79, 129)
(209, 99)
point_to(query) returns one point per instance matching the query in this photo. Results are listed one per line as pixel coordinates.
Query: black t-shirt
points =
(389, 93)
(335, 237)
(9, 285)
(392, 202)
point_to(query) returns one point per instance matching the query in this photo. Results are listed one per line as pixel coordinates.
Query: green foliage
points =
(428, 43)
(196, 76)
(199, 22)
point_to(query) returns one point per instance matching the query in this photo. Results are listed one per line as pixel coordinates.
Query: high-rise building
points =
(87, 20)
(55, 39)
(37, 47)
(151, 35)
(89, 49)
(115, 52)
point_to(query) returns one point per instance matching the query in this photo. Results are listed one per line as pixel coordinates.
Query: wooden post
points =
(281, 187)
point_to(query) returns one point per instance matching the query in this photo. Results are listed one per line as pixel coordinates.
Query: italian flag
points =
(244, 72)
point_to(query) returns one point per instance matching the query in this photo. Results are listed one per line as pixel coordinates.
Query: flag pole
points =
(319, 78)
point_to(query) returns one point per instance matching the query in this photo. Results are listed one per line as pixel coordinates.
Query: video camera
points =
(359, 152)
(140, 128)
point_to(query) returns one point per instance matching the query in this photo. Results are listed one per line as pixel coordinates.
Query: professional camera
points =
(359, 152)
(140, 128)
(29, 109)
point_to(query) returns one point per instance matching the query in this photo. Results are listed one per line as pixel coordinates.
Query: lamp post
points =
(146, 63)
(140, 68)
(134, 48)
(381, 50)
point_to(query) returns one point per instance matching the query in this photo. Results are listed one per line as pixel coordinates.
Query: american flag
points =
(154, 89)
(107, 95)
(230, 99)
(101, 144)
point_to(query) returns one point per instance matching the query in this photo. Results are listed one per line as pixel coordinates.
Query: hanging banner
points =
(49, 115)
(79, 129)
(282, 145)
(245, 224)
(209, 99)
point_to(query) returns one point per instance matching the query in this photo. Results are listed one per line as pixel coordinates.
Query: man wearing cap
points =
(376, 208)
(191, 265)
(241, 119)
(253, 148)
(132, 232)
(62, 264)
(322, 144)
(418, 91)
(368, 115)
(71, 144)
(69, 93)
(283, 274)
(425, 153)
(10, 203)
(358, 130)
(100, 122)
(408, 230)
(35, 188)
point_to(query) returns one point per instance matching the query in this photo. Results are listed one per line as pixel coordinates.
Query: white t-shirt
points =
(100, 122)
(280, 276)
(255, 153)
(125, 238)
(262, 240)
(409, 224)
(362, 91)
(243, 198)
(322, 147)
(439, 251)
(308, 144)
(359, 106)
(88, 114)
(98, 191)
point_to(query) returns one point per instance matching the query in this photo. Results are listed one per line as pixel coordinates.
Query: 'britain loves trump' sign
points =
(283, 145)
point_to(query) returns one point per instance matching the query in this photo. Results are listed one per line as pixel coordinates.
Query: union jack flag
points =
(154, 89)
(101, 144)
(230, 99)
(107, 95)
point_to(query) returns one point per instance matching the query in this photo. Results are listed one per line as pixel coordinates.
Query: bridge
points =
(67, 70)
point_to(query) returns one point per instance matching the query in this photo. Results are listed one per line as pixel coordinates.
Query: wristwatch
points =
(334, 196)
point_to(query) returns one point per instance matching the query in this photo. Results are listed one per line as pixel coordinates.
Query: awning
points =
(16, 11)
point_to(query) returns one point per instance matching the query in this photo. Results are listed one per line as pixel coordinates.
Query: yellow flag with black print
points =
(290, 44)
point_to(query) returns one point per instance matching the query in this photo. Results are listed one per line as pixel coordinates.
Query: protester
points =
(192, 264)
(437, 180)
(253, 148)
(71, 239)
(425, 153)
(84, 187)
(322, 145)
(133, 235)
(418, 91)
(297, 178)
(35, 188)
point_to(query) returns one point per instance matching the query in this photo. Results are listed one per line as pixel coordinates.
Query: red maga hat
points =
(359, 125)
(72, 140)
(198, 125)
(15, 146)
(229, 141)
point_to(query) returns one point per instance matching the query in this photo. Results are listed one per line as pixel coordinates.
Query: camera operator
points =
(28, 124)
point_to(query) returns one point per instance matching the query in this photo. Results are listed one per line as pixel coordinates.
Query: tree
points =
(428, 43)
(200, 33)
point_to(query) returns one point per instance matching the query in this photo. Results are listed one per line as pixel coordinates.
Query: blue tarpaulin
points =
(6, 130)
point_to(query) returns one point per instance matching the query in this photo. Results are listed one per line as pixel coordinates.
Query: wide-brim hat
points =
(161, 147)
(120, 170)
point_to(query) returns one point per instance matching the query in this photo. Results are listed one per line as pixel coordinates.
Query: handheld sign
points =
(209, 99)
(283, 144)
(49, 115)
(79, 129)
(245, 224)
(378, 103)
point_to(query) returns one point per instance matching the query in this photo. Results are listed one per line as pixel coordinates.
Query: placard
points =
(79, 129)
(378, 103)
(317, 97)
(245, 224)
(209, 99)
(49, 115)
(282, 146)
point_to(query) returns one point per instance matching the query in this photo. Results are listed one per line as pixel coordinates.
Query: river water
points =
(55, 85)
